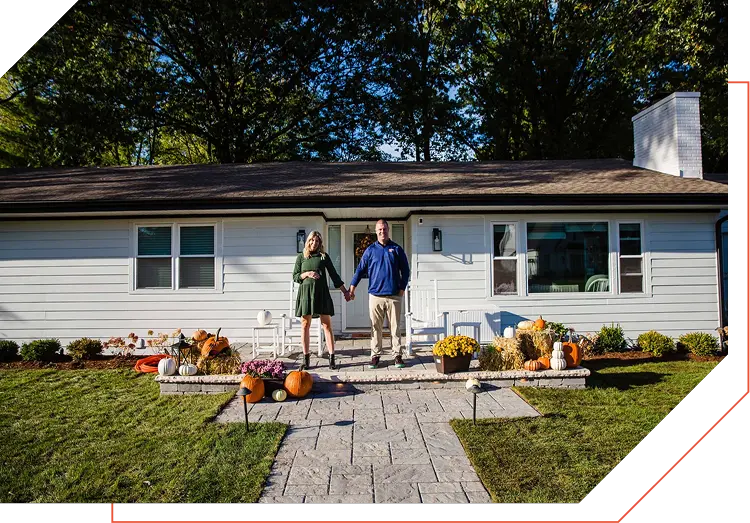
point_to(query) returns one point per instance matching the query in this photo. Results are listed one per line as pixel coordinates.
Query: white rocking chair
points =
(423, 316)
(291, 327)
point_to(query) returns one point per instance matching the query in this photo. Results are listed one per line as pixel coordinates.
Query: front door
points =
(356, 239)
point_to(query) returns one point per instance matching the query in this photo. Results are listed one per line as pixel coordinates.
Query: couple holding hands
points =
(387, 267)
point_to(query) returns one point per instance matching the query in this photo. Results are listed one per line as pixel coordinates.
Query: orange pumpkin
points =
(214, 345)
(540, 324)
(298, 383)
(256, 386)
(200, 335)
(532, 365)
(544, 362)
(573, 354)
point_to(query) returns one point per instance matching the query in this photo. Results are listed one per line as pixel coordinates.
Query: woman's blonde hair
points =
(321, 249)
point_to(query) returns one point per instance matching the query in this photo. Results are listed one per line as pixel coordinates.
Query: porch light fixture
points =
(300, 240)
(437, 240)
(244, 391)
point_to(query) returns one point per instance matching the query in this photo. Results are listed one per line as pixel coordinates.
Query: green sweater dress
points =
(313, 297)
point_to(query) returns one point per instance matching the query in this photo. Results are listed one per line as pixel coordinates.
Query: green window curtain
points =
(154, 241)
(197, 241)
(333, 248)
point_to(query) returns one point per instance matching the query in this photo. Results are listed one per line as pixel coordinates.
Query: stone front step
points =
(388, 379)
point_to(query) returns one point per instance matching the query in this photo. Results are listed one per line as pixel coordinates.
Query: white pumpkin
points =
(472, 382)
(279, 394)
(509, 332)
(264, 317)
(525, 324)
(188, 369)
(558, 354)
(557, 363)
(557, 345)
(167, 367)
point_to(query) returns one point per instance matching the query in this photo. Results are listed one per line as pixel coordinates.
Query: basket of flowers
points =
(272, 372)
(453, 353)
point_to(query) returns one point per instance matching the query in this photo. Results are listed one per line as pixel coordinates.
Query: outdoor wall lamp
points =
(300, 240)
(244, 391)
(437, 240)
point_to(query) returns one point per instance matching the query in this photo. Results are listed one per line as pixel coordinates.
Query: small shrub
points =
(40, 350)
(84, 348)
(611, 339)
(8, 350)
(656, 343)
(559, 329)
(700, 343)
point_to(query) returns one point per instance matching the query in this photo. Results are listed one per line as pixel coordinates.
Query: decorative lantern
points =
(437, 240)
(300, 240)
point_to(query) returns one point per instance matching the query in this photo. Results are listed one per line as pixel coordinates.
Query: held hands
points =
(312, 274)
(351, 293)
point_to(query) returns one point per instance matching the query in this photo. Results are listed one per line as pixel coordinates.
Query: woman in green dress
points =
(313, 297)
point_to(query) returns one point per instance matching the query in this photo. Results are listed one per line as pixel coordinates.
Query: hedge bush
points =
(656, 343)
(700, 343)
(84, 348)
(8, 350)
(40, 350)
(611, 339)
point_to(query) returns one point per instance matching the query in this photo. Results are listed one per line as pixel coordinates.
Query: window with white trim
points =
(567, 257)
(175, 257)
(631, 258)
(504, 260)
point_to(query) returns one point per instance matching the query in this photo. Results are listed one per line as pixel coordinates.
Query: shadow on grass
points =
(623, 380)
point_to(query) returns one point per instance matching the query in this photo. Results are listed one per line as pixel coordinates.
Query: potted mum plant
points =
(272, 372)
(453, 353)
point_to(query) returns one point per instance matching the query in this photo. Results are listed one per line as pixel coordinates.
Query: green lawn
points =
(107, 436)
(583, 434)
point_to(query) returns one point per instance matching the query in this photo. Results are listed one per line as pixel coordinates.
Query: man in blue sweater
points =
(387, 266)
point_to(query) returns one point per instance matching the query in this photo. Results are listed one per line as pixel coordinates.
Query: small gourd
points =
(509, 332)
(188, 369)
(540, 324)
(525, 324)
(167, 367)
(532, 365)
(279, 395)
(200, 335)
(544, 362)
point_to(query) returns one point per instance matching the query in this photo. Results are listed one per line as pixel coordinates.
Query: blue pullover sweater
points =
(387, 267)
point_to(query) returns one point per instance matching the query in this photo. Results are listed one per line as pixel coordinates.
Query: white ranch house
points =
(101, 252)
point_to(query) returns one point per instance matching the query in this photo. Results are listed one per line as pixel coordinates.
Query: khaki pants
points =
(380, 307)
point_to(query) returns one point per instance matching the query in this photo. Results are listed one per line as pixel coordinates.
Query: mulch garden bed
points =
(647, 357)
(65, 362)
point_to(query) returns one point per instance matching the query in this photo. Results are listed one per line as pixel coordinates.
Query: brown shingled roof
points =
(502, 182)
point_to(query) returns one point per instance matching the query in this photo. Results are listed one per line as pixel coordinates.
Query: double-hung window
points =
(631, 258)
(175, 257)
(504, 260)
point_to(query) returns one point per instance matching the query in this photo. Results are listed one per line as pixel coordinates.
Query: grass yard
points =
(583, 435)
(107, 436)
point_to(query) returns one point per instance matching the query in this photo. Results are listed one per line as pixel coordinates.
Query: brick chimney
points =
(667, 136)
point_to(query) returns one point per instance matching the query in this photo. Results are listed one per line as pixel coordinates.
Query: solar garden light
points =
(244, 391)
(473, 386)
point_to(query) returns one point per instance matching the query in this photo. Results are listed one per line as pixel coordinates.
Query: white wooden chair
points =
(291, 327)
(423, 316)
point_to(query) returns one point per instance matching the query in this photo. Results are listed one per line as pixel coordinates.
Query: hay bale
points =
(228, 362)
(503, 354)
(535, 344)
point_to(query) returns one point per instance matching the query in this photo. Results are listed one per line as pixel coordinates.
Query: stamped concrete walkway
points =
(377, 446)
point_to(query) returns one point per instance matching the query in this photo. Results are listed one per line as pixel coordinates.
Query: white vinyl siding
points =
(681, 293)
(74, 278)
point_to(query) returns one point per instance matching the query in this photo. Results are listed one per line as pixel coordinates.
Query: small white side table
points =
(257, 347)
(476, 327)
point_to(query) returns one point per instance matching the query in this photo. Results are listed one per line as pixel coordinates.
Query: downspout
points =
(720, 267)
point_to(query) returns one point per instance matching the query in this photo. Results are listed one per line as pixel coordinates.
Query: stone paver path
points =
(382, 446)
